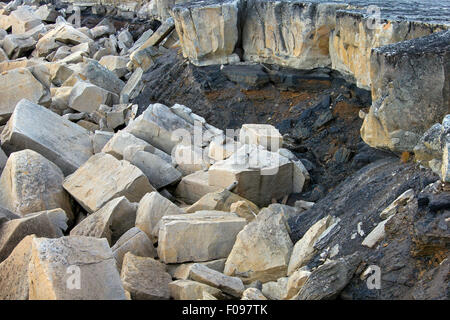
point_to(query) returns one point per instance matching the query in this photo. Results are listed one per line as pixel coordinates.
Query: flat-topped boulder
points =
(34, 127)
(200, 236)
(261, 175)
(208, 30)
(103, 178)
(400, 113)
(31, 183)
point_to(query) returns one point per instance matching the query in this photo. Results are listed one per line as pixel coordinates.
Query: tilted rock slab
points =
(410, 91)
(110, 222)
(103, 178)
(145, 278)
(34, 127)
(192, 290)
(13, 231)
(73, 268)
(262, 249)
(31, 183)
(134, 241)
(208, 30)
(201, 236)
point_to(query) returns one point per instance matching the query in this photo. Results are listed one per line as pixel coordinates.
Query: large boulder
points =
(145, 278)
(289, 33)
(261, 175)
(103, 178)
(114, 219)
(34, 127)
(194, 186)
(23, 19)
(208, 30)
(73, 268)
(401, 113)
(31, 183)
(87, 97)
(15, 85)
(152, 207)
(262, 249)
(13, 231)
(200, 236)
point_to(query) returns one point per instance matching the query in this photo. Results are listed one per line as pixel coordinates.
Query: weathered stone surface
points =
(17, 46)
(377, 234)
(121, 140)
(355, 35)
(23, 19)
(145, 278)
(275, 290)
(111, 221)
(181, 271)
(134, 241)
(327, 281)
(445, 168)
(190, 158)
(103, 178)
(221, 201)
(304, 249)
(14, 283)
(253, 294)
(116, 64)
(156, 126)
(401, 200)
(194, 186)
(3, 159)
(30, 183)
(33, 127)
(244, 210)
(152, 207)
(160, 173)
(99, 75)
(262, 249)
(63, 33)
(401, 113)
(220, 149)
(230, 285)
(191, 290)
(101, 138)
(264, 135)
(54, 261)
(295, 282)
(133, 86)
(261, 175)
(208, 31)
(15, 85)
(13, 231)
(201, 236)
(289, 33)
(47, 13)
(86, 97)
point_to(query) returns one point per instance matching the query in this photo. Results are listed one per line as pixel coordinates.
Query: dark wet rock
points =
(440, 202)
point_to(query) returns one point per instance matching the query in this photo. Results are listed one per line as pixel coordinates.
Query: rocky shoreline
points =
(222, 150)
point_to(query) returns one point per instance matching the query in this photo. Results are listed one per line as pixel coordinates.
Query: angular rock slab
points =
(133, 241)
(264, 135)
(13, 231)
(14, 284)
(73, 268)
(194, 186)
(201, 236)
(145, 278)
(231, 285)
(103, 178)
(110, 222)
(34, 127)
(15, 85)
(262, 249)
(152, 207)
(30, 183)
(191, 290)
